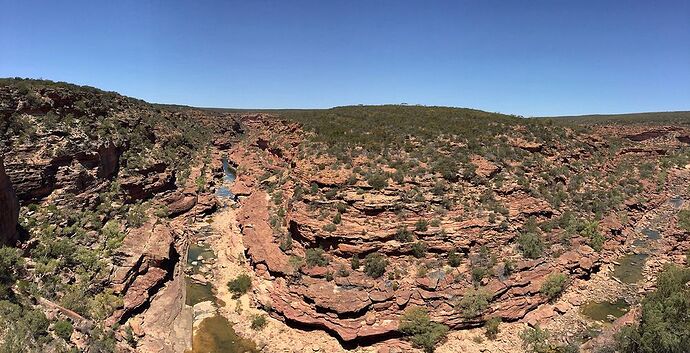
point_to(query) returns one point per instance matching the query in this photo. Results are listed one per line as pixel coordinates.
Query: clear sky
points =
(536, 57)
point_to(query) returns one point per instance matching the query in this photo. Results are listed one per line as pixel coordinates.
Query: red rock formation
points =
(355, 306)
(9, 209)
(145, 258)
(179, 203)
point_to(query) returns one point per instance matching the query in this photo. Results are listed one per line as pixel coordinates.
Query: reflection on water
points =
(230, 173)
(629, 269)
(216, 335)
(224, 192)
(196, 250)
(197, 293)
(228, 177)
(651, 234)
(676, 201)
(605, 311)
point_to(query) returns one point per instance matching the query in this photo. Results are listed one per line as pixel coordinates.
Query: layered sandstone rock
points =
(146, 257)
(352, 305)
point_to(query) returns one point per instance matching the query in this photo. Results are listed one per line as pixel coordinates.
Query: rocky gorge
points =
(131, 223)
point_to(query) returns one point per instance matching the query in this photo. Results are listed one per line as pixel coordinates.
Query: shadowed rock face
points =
(9, 209)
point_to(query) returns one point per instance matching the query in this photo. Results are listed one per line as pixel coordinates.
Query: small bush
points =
(474, 302)
(591, 233)
(491, 327)
(454, 259)
(63, 329)
(403, 235)
(10, 265)
(315, 257)
(424, 333)
(240, 285)
(258, 321)
(375, 265)
(419, 249)
(136, 217)
(536, 340)
(508, 267)
(354, 262)
(478, 273)
(421, 225)
(554, 285)
(684, 220)
(531, 245)
(377, 181)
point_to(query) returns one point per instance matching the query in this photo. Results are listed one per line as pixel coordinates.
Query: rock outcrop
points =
(145, 259)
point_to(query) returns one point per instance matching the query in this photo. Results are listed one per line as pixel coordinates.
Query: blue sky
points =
(538, 57)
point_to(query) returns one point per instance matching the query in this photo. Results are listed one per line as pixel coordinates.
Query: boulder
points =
(179, 203)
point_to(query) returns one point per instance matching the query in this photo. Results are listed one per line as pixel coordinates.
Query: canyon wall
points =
(9, 209)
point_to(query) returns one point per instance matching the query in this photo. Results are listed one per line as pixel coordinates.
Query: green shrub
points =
(554, 285)
(684, 220)
(589, 230)
(403, 235)
(114, 237)
(377, 181)
(10, 265)
(354, 262)
(664, 326)
(240, 285)
(37, 322)
(530, 245)
(375, 265)
(63, 329)
(418, 327)
(315, 257)
(491, 327)
(419, 249)
(478, 273)
(421, 225)
(162, 211)
(129, 336)
(104, 304)
(258, 321)
(474, 303)
(454, 259)
(136, 217)
(536, 340)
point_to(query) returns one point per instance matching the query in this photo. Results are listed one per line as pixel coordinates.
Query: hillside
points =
(132, 227)
(680, 117)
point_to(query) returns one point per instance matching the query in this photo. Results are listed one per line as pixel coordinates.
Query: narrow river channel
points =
(213, 333)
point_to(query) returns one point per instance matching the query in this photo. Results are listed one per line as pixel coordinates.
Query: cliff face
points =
(9, 209)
